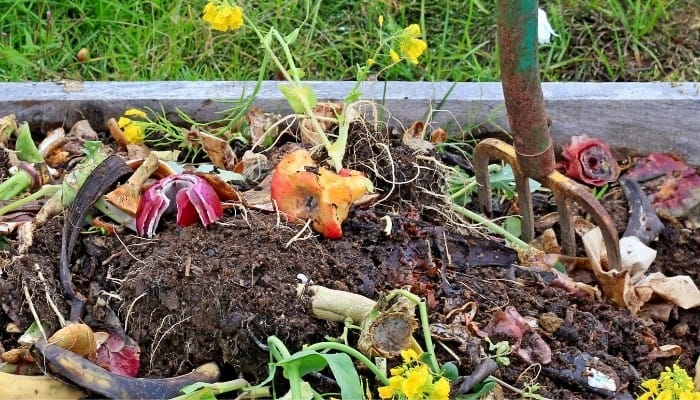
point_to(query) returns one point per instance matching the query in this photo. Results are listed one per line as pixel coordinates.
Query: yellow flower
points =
(409, 45)
(370, 62)
(416, 379)
(441, 389)
(135, 112)
(381, 20)
(134, 133)
(412, 30)
(223, 16)
(409, 355)
(133, 130)
(652, 385)
(665, 395)
(394, 55)
(387, 392)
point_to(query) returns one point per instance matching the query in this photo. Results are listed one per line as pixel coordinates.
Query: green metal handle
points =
(520, 77)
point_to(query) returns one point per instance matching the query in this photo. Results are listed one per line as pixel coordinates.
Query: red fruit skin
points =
(590, 161)
(301, 190)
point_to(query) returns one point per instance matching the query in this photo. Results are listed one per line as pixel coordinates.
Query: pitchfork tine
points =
(532, 155)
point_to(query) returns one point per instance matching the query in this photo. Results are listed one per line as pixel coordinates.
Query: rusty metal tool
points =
(532, 155)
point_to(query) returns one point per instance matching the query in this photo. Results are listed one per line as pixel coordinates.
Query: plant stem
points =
(228, 386)
(279, 352)
(321, 346)
(425, 325)
(15, 185)
(45, 191)
(491, 225)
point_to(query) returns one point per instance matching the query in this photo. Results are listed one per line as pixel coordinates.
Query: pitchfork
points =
(532, 155)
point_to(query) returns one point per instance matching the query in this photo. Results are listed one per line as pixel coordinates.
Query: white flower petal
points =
(544, 29)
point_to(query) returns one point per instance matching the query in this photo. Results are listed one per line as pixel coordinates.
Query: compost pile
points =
(176, 296)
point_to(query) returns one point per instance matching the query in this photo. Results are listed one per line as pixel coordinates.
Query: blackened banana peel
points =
(643, 221)
(96, 379)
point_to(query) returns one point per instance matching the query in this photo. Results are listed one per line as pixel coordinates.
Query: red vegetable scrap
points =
(525, 342)
(119, 354)
(302, 190)
(674, 186)
(589, 161)
(192, 197)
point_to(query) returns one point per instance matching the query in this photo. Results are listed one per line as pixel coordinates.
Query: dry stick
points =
(33, 310)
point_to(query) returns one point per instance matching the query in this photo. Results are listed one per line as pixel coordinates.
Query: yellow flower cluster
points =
(134, 131)
(673, 384)
(410, 46)
(223, 16)
(413, 380)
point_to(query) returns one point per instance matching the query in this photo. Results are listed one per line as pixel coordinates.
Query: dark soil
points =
(193, 295)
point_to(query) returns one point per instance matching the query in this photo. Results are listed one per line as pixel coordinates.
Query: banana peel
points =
(96, 379)
(25, 387)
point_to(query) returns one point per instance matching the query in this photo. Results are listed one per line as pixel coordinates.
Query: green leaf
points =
(299, 97)
(345, 374)
(292, 36)
(31, 335)
(304, 361)
(267, 39)
(450, 371)
(25, 147)
(504, 182)
(307, 361)
(198, 391)
(481, 389)
(513, 225)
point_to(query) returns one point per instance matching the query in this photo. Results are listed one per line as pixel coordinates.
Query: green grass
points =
(600, 40)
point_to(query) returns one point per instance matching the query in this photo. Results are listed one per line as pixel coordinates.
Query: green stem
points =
(269, 52)
(279, 352)
(225, 387)
(425, 325)
(45, 191)
(321, 346)
(495, 228)
(288, 54)
(15, 185)
(249, 101)
(466, 188)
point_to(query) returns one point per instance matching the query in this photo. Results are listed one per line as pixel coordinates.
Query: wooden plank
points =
(663, 117)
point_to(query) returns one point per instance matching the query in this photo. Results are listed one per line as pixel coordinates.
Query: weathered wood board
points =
(663, 117)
